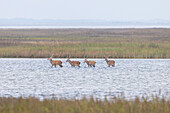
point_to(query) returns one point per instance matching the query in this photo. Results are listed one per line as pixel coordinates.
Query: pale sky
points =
(86, 9)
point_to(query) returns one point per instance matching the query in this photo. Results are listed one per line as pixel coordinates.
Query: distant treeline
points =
(80, 43)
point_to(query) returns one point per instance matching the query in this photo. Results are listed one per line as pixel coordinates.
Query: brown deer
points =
(90, 63)
(110, 62)
(73, 63)
(55, 62)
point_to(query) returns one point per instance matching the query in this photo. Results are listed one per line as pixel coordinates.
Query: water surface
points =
(35, 77)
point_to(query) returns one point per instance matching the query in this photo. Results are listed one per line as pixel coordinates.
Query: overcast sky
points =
(86, 9)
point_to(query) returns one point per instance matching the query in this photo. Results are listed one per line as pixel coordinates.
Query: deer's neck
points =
(106, 59)
(87, 62)
(69, 61)
(51, 61)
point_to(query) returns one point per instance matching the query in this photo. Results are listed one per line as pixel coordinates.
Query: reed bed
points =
(80, 43)
(84, 105)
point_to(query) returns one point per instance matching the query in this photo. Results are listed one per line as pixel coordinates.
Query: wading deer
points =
(55, 62)
(110, 62)
(90, 63)
(73, 63)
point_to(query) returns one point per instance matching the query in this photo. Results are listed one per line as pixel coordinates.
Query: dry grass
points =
(94, 43)
(114, 105)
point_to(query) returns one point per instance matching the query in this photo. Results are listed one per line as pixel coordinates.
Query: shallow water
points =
(35, 77)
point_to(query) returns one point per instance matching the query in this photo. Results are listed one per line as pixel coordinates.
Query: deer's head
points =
(50, 57)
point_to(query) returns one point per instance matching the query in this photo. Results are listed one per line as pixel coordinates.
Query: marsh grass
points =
(80, 43)
(84, 105)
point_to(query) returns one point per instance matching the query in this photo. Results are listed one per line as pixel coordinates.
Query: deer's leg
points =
(93, 65)
(113, 65)
(61, 65)
(55, 65)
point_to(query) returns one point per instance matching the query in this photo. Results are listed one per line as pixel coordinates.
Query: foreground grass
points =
(80, 43)
(115, 105)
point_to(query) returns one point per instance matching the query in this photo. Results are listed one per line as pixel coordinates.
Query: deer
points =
(110, 62)
(90, 63)
(55, 62)
(73, 63)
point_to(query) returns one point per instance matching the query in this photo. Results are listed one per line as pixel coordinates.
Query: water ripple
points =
(35, 77)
